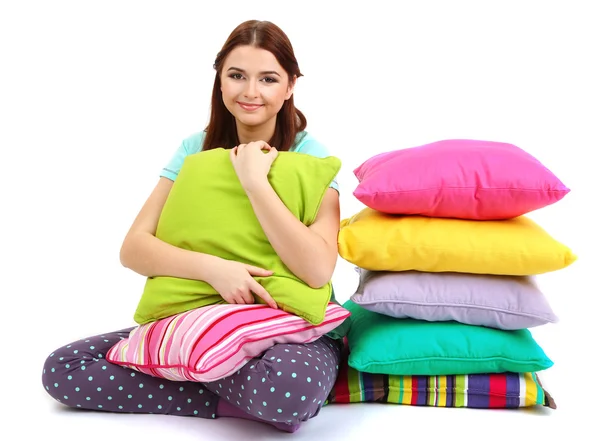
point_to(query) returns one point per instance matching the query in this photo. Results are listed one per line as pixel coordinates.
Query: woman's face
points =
(254, 88)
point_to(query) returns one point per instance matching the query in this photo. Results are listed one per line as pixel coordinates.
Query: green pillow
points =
(380, 344)
(208, 211)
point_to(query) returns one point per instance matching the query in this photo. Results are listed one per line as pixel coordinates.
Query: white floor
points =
(353, 422)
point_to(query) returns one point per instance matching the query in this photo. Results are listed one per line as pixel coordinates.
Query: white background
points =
(96, 96)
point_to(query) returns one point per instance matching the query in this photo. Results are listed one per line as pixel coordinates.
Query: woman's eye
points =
(270, 80)
(236, 76)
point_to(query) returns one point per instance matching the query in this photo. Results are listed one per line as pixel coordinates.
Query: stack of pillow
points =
(447, 257)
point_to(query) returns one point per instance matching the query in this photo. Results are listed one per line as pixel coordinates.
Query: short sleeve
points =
(311, 146)
(190, 145)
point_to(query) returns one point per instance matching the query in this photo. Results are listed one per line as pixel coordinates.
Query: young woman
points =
(252, 111)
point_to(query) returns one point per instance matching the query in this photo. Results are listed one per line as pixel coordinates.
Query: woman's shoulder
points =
(308, 144)
(190, 145)
(193, 143)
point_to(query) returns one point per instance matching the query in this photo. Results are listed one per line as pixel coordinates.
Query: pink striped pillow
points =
(213, 342)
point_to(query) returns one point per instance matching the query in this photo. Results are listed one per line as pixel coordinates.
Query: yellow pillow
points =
(381, 242)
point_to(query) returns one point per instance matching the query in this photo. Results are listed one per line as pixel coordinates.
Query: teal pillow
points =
(208, 211)
(381, 344)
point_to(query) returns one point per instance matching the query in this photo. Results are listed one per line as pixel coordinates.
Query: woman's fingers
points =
(247, 297)
(261, 292)
(260, 145)
(256, 271)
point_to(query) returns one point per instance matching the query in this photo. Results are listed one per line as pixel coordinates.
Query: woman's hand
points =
(234, 282)
(252, 164)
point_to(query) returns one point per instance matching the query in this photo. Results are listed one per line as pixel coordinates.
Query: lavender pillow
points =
(495, 301)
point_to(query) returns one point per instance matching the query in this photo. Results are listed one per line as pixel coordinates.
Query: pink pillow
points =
(213, 342)
(458, 178)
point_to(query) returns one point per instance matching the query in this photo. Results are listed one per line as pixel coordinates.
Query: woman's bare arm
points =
(149, 256)
(309, 252)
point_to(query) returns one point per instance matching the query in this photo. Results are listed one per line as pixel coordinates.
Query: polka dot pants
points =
(289, 383)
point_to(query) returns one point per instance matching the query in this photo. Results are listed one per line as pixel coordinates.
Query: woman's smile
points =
(248, 107)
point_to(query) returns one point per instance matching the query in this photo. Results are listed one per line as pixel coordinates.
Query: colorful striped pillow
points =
(213, 342)
(484, 391)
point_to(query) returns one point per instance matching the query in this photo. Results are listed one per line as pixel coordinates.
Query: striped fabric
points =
(213, 342)
(506, 390)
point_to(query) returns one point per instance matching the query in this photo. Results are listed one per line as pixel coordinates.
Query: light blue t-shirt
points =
(304, 143)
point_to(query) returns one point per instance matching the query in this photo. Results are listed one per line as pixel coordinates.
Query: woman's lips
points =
(249, 107)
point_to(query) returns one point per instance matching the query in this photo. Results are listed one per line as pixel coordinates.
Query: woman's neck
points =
(264, 132)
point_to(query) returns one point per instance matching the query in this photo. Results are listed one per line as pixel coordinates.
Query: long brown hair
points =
(221, 130)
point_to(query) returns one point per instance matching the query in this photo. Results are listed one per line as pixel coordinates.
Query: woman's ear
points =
(290, 89)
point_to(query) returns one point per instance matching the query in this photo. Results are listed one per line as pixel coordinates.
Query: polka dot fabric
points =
(288, 384)
(79, 376)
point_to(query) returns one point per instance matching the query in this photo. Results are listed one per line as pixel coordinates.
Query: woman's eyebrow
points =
(266, 72)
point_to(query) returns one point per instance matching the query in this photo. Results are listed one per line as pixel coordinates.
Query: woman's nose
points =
(251, 90)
